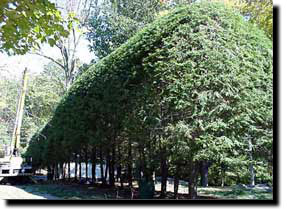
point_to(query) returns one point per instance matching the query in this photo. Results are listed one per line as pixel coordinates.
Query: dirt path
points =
(13, 192)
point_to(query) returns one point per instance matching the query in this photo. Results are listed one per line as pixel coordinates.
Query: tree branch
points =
(50, 58)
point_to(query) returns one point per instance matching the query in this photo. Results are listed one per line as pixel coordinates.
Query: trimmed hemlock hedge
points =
(195, 85)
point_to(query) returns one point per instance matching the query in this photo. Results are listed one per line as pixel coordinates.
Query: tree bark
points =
(176, 182)
(164, 173)
(192, 184)
(94, 165)
(76, 167)
(86, 162)
(56, 171)
(222, 175)
(63, 166)
(204, 173)
(141, 163)
(80, 167)
(112, 168)
(251, 168)
(69, 170)
(121, 176)
(53, 172)
(130, 177)
(103, 176)
(107, 166)
(50, 173)
(119, 168)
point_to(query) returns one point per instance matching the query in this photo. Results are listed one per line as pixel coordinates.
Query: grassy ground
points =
(95, 192)
(72, 192)
(237, 192)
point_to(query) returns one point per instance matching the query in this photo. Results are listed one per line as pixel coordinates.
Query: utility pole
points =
(15, 142)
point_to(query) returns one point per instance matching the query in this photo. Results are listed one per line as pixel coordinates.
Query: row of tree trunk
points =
(63, 171)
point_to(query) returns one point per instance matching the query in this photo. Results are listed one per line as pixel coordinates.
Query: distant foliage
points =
(8, 103)
(259, 12)
(114, 22)
(42, 97)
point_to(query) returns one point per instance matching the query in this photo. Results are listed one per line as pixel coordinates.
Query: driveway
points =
(12, 192)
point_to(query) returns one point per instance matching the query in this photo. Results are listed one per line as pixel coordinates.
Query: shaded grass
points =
(65, 191)
(96, 192)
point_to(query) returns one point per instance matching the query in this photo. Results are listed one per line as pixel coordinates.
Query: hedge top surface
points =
(214, 16)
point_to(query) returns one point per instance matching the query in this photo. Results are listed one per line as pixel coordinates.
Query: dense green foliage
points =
(25, 24)
(193, 86)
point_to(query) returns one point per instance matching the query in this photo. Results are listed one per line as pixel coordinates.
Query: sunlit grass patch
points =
(236, 192)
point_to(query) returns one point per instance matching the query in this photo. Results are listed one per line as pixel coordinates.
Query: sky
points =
(15, 65)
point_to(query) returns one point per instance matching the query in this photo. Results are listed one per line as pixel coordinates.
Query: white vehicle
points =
(14, 166)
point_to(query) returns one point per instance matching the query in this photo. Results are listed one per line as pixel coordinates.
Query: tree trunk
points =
(94, 165)
(107, 166)
(76, 168)
(119, 171)
(164, 173)
(103, 176)
(204, 173)
(86, 162)
(176, 182)
(69, 170)
(251, 168)
(222, 175)
(56, 171)
(65, 170)
(53, 172)
(112, 168)
(59, 170)
(252, 174)
(121, 176)
(63, 166)
(80, 167)
(141, 164)
(119, 166)
(50, 173)
(192, 184)
(130, 177)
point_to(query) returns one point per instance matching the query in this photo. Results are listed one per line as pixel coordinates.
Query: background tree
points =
(43, 94)
(113, 22)
(75, 15)
(259, 12)
(9, 89)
